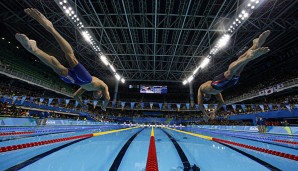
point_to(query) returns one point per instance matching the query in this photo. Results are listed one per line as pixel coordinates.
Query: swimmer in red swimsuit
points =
(231, 76)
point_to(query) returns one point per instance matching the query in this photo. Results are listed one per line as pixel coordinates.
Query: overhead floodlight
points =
(85, 35)
(122, 80)
(196, 70)
(104, 60)
(117, 76)
(65, 1)
(112, 68)
(245, 15)
(184, 82)
(61, 3)
(249, 4)
(223, 41)
(205, 63)
(252, 0)
(252, 7)
(257, 2)
(189, 79)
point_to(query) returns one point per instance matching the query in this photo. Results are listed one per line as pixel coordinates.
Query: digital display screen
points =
(149, 89)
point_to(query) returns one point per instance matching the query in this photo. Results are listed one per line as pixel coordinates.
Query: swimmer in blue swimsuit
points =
(76, 74)
(231, 76)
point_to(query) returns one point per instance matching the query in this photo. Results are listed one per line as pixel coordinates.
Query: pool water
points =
(126, 149)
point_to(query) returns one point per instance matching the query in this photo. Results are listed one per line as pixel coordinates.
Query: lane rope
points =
(263, 150)
(152, 164)
(39, 143)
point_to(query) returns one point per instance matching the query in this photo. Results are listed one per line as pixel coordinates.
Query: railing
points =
(286, 85)
(32, 80)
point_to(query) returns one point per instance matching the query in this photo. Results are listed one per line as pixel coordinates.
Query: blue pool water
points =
(98, 153)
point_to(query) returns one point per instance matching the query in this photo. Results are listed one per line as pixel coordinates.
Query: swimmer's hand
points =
(212, 115)
(39, 17)
(103, 108)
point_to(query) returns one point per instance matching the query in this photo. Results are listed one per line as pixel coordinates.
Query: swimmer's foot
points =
(258, 42)
(39, 17)
(253, 54)
(28, 44)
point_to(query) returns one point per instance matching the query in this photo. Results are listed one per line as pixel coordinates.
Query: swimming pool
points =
(122, 148)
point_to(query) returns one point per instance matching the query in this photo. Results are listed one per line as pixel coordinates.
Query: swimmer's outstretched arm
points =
(220, 102)
(200, 102)
(78, 96)
(65, 46)
(106, 96)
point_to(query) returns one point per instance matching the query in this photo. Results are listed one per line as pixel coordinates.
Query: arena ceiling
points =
(158, 40)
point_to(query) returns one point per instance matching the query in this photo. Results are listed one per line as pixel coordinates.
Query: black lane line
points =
(122, 152)
(40, 156)
(181, 153)
(262, 162)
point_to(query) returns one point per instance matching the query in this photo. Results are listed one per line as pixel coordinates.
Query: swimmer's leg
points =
(65, 46)
(47, 59)
(258, 42)
(237, 66)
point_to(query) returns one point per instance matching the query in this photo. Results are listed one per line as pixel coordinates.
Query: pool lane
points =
(212, 156)
(167, 155)
(93, 154)
(278, 162)
(136, 155)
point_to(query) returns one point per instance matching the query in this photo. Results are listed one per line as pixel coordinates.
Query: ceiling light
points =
(204, 63)
(104, 60)
(189, 79)
(117, 76)
(245, 15)
(122, 80)
(196, 70)
(112, 68)
(184, 82)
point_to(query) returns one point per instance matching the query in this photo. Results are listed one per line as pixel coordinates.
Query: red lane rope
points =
(33, 144)
(15, 133)
(272, 152)
(152, 164)
(287, 142)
